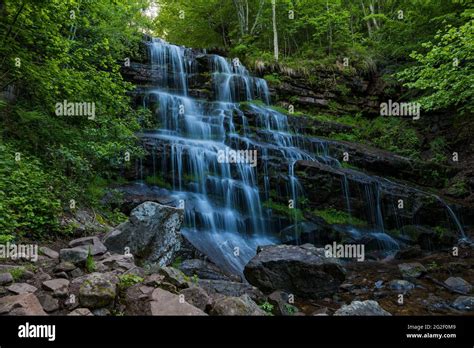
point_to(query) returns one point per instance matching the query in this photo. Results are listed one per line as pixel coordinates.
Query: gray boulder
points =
(203, 269)
(242, 305)
(411, 270)
(6, 278)
(197, 297)
(358, 308)
(92, 244)
(22, 288)
(24, 304)
(152, 233)
(464, 303)
(459, 284)
(401, 285)
(59, 286)
(95, 290)
(165, 303)
(301, 270)
(75, 255)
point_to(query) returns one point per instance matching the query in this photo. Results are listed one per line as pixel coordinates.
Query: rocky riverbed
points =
(145, 267)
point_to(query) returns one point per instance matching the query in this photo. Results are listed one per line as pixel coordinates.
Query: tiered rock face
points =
(206, 104)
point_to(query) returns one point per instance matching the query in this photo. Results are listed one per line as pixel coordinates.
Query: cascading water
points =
(224, 217)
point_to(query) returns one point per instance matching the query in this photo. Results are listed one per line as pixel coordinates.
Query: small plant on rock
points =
(127, 280)
(90, 263)
(267, 307)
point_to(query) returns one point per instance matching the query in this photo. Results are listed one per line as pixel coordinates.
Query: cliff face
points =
(365, 187)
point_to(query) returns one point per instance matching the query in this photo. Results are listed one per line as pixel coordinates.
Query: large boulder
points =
(242, 305)
(151, 234)
(24, 304)
(165, 303)
(357, 308)
(300, 270)
(95, 290)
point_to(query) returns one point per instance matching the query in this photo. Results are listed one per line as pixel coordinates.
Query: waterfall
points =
(223, 200)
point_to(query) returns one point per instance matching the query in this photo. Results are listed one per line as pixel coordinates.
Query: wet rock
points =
(242, 305)
(464, 303)
(49, 252)
(202, 269)
(458, 284)
(401, 285)
(59, 287)
(89, 244)
(21, 288)
(218, 288)
(174, 276)
(23, 304)
(101, 312)
(165, 303)
(301, 270)
(5, 278)
(409, 253)
(152, 233)
(411, 270)
(76, 255)
(197, 297)
(280, 302)
(48, 303)
(83, 312)
(358, 308)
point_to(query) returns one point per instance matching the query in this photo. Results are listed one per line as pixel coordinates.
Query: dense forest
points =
(64, 50)
(331, 69)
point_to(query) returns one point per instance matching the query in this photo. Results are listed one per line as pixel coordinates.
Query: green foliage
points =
(90, 263)
(267, 307)
(438, 149)
(17, 273)
(459, 188)
(177, 262)
(290, 309)
(338, 217)
(54, 51)
(446, 69)
(273, 79)
(127, 280)
(28, 204)
(281, 209)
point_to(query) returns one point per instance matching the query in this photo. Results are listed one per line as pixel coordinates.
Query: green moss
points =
(273, 79)
(127, 280)
(338, 217)
(17, 273)
(157, 180)
(283, 210)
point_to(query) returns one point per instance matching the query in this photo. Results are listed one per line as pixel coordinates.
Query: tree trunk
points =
(275, 33)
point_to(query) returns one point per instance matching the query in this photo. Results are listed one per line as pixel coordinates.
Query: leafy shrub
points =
(28, 204)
